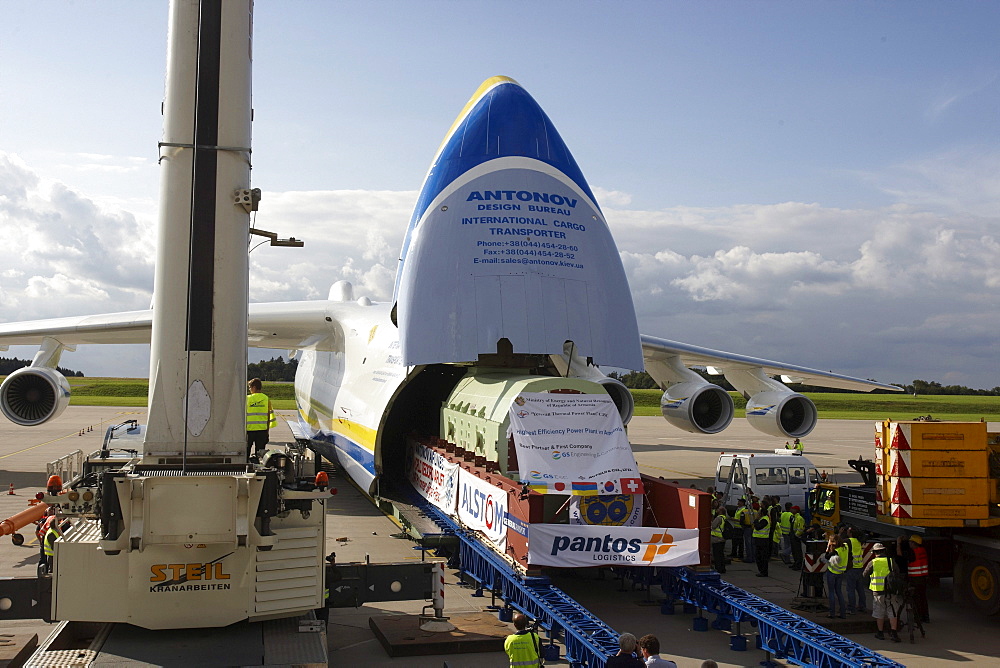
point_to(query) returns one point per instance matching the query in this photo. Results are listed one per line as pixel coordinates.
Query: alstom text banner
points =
(483, 507)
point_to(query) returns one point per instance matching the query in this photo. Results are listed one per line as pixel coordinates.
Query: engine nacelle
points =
(33, 395)
(781, 414)
(621, 396)
(697, 406)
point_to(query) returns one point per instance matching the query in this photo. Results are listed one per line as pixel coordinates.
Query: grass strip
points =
(133, 392)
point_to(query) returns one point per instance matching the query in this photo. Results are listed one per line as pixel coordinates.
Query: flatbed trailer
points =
(951, 502)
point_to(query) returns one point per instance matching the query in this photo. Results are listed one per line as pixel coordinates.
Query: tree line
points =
(919, 387)
(640, 380)
(9, 365)
(277, 369)
(274, 369)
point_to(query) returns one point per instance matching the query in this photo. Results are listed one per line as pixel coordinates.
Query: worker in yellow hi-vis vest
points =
(260, 418)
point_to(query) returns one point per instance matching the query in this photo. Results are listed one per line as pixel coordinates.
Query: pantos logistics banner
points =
(582, 545)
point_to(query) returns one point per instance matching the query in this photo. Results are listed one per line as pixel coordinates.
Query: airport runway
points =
(355, 529)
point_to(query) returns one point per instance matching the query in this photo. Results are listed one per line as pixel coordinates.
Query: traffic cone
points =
(10, 492)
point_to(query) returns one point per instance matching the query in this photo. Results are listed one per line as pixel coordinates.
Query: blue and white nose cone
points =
(507, 241)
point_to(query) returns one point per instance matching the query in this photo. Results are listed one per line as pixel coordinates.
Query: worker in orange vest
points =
(917, 571)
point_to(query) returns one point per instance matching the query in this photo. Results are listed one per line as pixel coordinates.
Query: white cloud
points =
(897, 293)
(350, 235)
(62, 288)
(66, 254)
(964, 180)
(612, 197)
(101, 164)
(954, 93)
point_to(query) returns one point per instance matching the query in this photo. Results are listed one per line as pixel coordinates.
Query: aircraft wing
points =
(306, 324)
(299, 325)
(287, 325)
(125, 327)
(655, 350)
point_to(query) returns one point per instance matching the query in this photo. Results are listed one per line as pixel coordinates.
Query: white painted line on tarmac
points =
(75, 433)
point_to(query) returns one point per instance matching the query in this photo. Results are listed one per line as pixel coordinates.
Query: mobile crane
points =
(171, 525)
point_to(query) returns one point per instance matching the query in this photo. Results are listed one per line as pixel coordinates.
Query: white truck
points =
(781, 473)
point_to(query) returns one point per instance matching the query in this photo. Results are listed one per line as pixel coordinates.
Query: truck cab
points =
(831, 504)
(782, 474)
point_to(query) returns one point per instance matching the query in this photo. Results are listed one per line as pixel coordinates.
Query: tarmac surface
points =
(356, 529)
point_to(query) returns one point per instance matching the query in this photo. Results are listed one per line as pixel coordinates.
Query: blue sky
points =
(814, 182)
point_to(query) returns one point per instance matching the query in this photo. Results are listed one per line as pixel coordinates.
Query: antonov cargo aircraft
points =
(508, 270)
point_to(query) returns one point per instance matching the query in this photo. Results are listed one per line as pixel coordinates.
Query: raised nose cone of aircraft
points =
(507, 242)
(500, 120)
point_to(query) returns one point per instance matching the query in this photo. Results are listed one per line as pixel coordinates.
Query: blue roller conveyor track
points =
(784, 634)
(589, 641)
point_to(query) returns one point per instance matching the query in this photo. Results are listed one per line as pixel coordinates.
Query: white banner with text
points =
(434, 477)
(572, 444)
(573, 545)
(483, 507)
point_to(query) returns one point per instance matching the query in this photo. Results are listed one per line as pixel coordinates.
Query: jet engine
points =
(572, 365)
(33, 395)
(621, 396)
(697, 406)
(782, 414)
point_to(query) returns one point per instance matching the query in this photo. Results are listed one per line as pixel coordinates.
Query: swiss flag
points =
(632, 486)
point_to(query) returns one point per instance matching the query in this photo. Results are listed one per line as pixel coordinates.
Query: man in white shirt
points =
(650, 648)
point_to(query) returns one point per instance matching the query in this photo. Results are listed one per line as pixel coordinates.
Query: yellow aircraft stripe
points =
(359, 433)
(482, 90)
